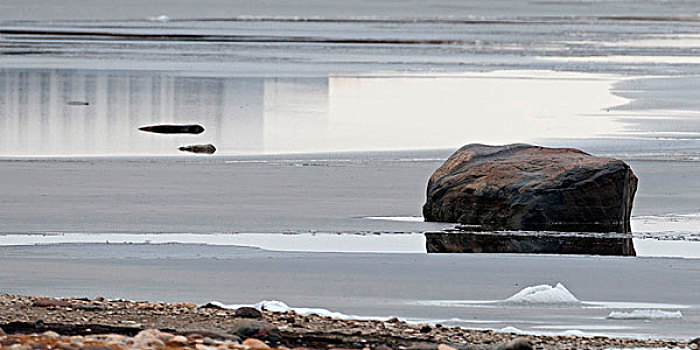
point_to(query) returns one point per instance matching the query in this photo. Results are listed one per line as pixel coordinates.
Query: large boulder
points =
(531, 188)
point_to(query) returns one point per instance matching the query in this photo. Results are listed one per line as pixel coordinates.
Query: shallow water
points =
(45, 116)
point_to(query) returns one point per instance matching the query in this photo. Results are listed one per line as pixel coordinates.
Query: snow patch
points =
(543, 294)
(282, 307)
(273, 306)
(653, 314)
(161, 18)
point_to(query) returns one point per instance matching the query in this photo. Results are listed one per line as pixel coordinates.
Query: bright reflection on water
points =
(288, 115)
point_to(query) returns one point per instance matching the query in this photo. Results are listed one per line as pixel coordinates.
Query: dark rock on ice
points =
(173, 129)
(524, 187)
(206, 149)
(248, 312)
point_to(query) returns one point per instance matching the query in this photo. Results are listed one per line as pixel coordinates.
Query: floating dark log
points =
(205, 149)
(173, 129)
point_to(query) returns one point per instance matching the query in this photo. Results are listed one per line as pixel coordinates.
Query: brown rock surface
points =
(249, 312)
(524, 187)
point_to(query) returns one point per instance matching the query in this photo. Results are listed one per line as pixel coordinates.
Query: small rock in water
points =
(78, 103)
(173, 129)
(248, 312)
(206, 149)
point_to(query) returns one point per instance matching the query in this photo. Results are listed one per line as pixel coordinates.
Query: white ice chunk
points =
(543, 294)
(282, 307)
(273, 305)
(653, 314)
(161, 18)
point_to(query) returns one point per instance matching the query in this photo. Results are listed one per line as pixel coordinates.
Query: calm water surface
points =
(41, 111)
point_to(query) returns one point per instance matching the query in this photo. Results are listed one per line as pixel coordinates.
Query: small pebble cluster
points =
(146, 339)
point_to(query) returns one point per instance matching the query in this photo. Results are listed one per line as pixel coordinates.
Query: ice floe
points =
(161, 18)
(653, 314)
(543, 294)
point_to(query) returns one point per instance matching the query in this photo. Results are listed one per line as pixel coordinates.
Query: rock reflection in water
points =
(530, 243)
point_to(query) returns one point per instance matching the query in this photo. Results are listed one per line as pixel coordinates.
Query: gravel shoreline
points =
(77, 323)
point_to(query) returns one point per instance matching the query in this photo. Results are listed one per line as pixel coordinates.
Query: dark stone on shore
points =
(211, 306)
(46, 302)
(516, 344)
(88, 307)
(248, 312)
(254, 329)
(426, 329)
(393, 320)
(205, 149)
(531, 188)
(173, 129)
(209, 333)
(68, 329)
(530, 243)
(695, 342)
